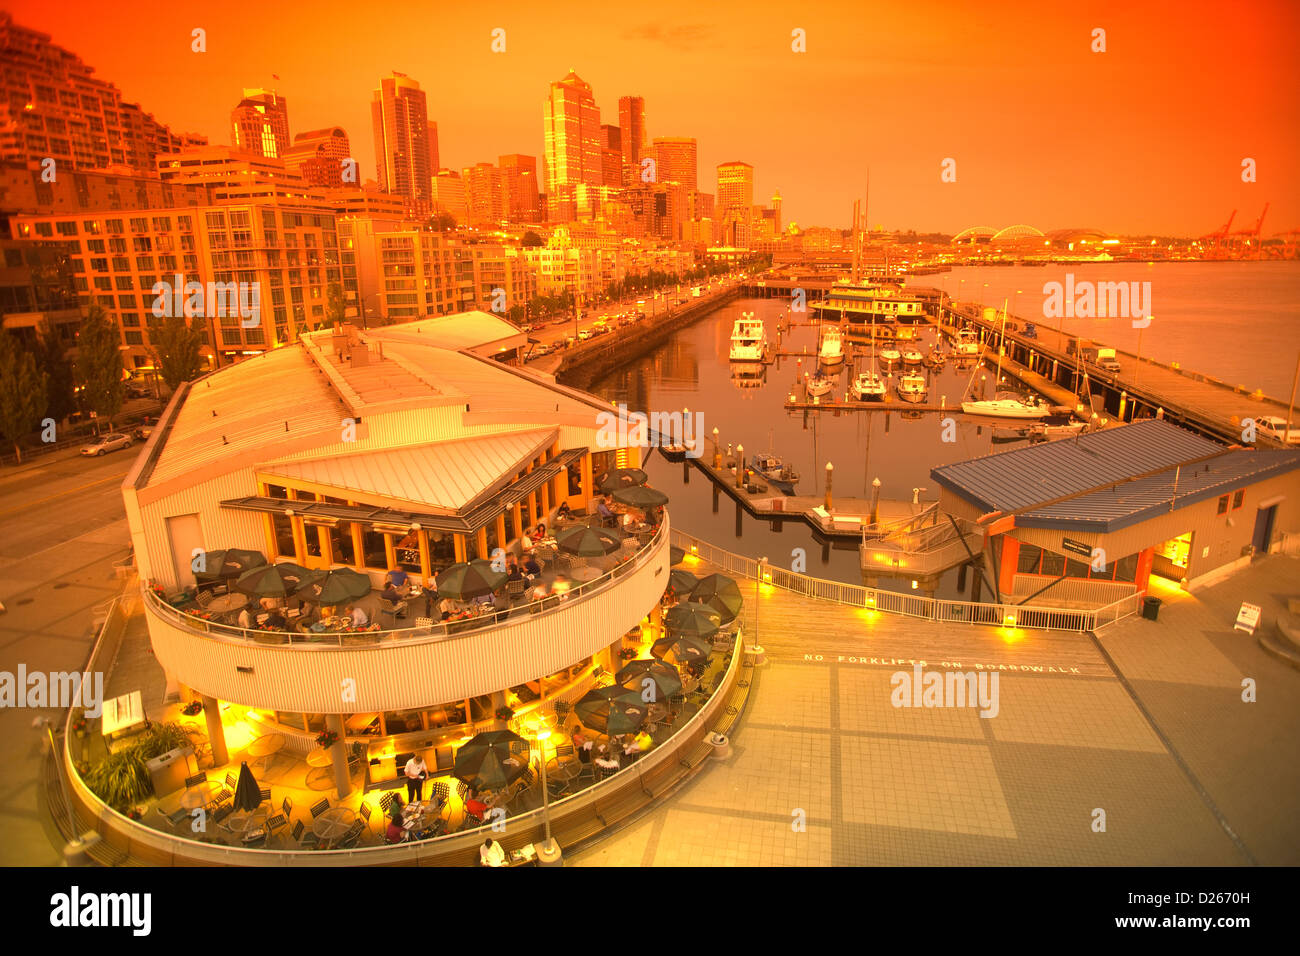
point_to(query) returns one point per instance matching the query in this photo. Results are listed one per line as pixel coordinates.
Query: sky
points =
(1147, 137)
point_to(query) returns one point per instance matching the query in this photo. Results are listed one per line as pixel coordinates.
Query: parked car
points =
(114, 441)
(584, 335)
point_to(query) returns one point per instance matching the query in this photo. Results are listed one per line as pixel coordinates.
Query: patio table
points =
(333, 823)
(265, 747)
(585, 574)
(320, 760)
(226, 603)
(566, 770)
(244, 822)
(198, 796)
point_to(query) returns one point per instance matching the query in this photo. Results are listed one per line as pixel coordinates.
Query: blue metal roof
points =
(1021, 478)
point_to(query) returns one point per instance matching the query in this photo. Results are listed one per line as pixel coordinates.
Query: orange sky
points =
(1147, 137)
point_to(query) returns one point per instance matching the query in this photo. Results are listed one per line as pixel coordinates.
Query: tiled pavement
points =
(825, 771)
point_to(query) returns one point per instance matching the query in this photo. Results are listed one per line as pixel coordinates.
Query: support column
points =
(588, 482)
(426, 563)
(458, 542)
(299, 538)
(216, 732)
(498, 701)
(390, 553)
(481, 543)
(1008, 563)
(339, 754)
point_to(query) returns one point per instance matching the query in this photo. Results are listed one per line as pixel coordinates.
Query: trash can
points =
(1151, 608)
(168, 771)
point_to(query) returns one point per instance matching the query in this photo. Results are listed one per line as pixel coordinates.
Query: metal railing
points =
(441, 630)
(910, 605)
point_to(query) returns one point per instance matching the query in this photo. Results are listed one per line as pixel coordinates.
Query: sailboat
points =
(818, 385)
(1004, 405)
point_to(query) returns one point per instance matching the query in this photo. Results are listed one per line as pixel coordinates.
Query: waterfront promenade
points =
(1144, 721)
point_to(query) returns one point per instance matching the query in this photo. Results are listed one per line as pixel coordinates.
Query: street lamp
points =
(548, 854)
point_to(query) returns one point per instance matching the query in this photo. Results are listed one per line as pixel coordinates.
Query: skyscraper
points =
(401, 120)
(611, 155)
(631, 120)
(486, 196)
(434, 161)
(260, 124)
(520, 174)
(572, 134)
(776, 212)
(675, 160)
(735, 186)
(318, 156)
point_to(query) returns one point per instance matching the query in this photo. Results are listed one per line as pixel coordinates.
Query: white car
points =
(1275, 428)
(106, 443)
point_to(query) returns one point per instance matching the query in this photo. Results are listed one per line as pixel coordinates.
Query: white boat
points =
(935, 358)
(889, 357)
(818, 385)
(1053, 432)
(748, 339)
(912, 356)
(868, 386)
(776, 471)
(911, 387)
(832, 347)
(966, 343)
(1007, 408)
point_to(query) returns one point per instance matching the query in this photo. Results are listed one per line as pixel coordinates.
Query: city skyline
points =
(1173, 138)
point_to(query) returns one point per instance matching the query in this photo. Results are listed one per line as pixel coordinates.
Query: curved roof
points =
(975, 232)
(1018, 231)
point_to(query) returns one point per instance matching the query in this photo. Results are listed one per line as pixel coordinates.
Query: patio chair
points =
(564, 750)
(221, 796)
(286, 807)
(175, 818)
(392, 610)
(196, 779)
(265, 793)
(306, 840)
(204, 598)
(349, 839)
(386, 802)
(231, 782)
(220, 813)
(558, 788)
(439, 792)
(516, 589)
(318, 808)
(365, 813)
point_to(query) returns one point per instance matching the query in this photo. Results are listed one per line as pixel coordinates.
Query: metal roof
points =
(449, 474)
(479, 331)
(1139, 463)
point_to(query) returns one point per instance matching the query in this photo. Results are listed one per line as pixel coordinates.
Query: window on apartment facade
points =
(1238, 499)
(1223, 505)
(66, 228)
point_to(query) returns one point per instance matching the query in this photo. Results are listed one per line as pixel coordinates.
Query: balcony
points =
(411, 667)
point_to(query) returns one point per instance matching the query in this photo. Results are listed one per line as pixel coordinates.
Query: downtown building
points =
(399, 113)
(572, 135)
(260, 124)
(323, 157)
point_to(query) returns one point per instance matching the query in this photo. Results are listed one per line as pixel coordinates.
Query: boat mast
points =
(1002, 347)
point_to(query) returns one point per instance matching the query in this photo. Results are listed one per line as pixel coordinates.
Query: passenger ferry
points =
(748, 339)
(859, 304)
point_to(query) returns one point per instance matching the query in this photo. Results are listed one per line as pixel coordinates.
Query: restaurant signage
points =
(1077, 547)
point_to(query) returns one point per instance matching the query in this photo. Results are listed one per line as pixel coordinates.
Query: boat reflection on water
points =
(748, 374)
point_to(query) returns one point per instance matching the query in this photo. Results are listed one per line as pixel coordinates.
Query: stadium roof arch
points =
(1018, 231)
(975, 234)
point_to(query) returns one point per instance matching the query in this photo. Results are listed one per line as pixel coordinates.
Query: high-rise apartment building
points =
(631, 121)
(572, 136)
(52, 106)
(395, 271)
(447, 195)
(520, 174)
(399, 113)
(434, 158)
(675, 160)
(486, 198)
(320, 157)
(735, 186)
(260, 124)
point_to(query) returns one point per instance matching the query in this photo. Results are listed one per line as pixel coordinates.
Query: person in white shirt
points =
(245, 618)
(358, 616)
(416, 771)
(491, 853)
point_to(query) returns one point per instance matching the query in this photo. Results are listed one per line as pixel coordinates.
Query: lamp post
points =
(548, 854)
(74, 851)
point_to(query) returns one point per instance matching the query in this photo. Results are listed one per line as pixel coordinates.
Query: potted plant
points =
(327, 739)
(192, 708)
(628, 653)
(505, 713)
(79, 727)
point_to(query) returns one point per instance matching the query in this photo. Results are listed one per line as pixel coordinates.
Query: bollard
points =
(830, 471)
(740, 466)
(875, 501)
(717, 449)
(721, 745)
(1123, 401)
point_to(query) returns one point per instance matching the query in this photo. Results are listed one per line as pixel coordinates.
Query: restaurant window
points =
(1076, 569)
(1028, 561)
(602, 462)
(574, 471)
(511, 531)
(341, 550)
(493, 542)
(1126, 568)
(315, 723)
(284, 546)
(1223, 505)
(305, 495)
(442, 551)
(296, 721)
(1053, 564)
(372, 545)
(403, 721)
(480, 708)
(408, 552)
(277, 491)
(446, 715)
(1238, 499)
(313, 540)
(1103, 574)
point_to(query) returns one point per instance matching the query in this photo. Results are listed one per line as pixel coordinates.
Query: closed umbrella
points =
(664, 678)
(489, 761)
(676, 554)
(641, 497)
(720, 592)
(273, 580)
(587, 542)
(612, 710)
(681, 649)
(227, 563)
(248, 795)
(692, 619)
(334, 587)
(681, 581)
(622, 478)
(470, 579)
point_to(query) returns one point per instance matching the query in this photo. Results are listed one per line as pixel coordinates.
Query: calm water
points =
(692, 370)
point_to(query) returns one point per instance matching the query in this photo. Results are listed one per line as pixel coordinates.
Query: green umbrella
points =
(587, 542)
(664, 678)
(720, 592)
(676, 554)
(470, 579)
(622, 478)
(611, 710)
(693, 620)
(681, 649)
(226, 563)
(640, 497)
(274, 580)
(482, 761)
(335, 587)
(681, 581)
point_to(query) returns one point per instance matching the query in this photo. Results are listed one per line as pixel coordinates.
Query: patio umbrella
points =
(470, 579)
(641, 497)
(676, 554)
(248, 795)
(622, 478)
(587, 542)
(692, 620)
(273, 580)
(228, 563)
(682, 581)
(721, 593)
(664, 676)
(611, 710)
(681, 649)
(481, 762)
(334, 587)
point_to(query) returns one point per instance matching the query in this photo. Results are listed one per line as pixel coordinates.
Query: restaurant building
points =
(398, 447)
(1094, 518)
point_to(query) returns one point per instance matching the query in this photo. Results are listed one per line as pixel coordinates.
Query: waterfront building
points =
(55, 107)
(1097, 517)
(318, 158)
(451, 456)
(399, 113)
(571, 128)
(260, 124)
(675, 160)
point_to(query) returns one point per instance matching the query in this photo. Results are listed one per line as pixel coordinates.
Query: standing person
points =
(416, 771)
(491, 853)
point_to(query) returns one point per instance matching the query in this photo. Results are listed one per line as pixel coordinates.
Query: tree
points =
(443, 222)
(175, 350)
(99, 365)
(22, 392)
(52, 359)
(531, 240)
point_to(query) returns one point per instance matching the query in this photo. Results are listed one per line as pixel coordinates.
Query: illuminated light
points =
(1009, 620)
(1011, 635)
(915, 585)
